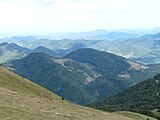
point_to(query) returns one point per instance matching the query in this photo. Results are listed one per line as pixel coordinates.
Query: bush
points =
(158, 117)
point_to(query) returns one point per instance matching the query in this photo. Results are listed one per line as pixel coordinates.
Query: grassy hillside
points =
(24, 100)
(142, 98)
(134, 116)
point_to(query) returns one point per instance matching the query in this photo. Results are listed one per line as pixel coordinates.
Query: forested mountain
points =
(145, 48)
(112, 65)
(43, 49)
(102, 61)
(67, 78)
(82, 76)
(12, 51)
(41, 69)
(141, 98)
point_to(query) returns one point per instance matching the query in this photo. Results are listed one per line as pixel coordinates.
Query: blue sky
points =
(50, 16)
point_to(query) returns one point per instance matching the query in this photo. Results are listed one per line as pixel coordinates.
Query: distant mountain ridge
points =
(9, 52)
(143, 48)
(93, 35)
(12, 51)
(44, 50)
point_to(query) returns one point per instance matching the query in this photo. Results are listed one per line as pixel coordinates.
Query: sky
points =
(50, 16)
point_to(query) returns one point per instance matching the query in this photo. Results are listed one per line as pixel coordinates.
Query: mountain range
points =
(103, 34)
(82, 76)
(48, 77)
(12, 51)
(143, 48)
(94, 35)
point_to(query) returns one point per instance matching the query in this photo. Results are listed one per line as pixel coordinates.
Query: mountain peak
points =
(102, 60)
(4, 44)
(157, 35)
(39, 55)
(41, 48)
(44, 50)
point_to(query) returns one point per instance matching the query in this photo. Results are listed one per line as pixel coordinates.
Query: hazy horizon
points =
(52, 16)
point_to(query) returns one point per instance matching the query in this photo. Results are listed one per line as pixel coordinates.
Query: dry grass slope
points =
(21, 99)
(135, 116)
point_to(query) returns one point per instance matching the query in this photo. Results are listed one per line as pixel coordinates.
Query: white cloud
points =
(44, 16)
